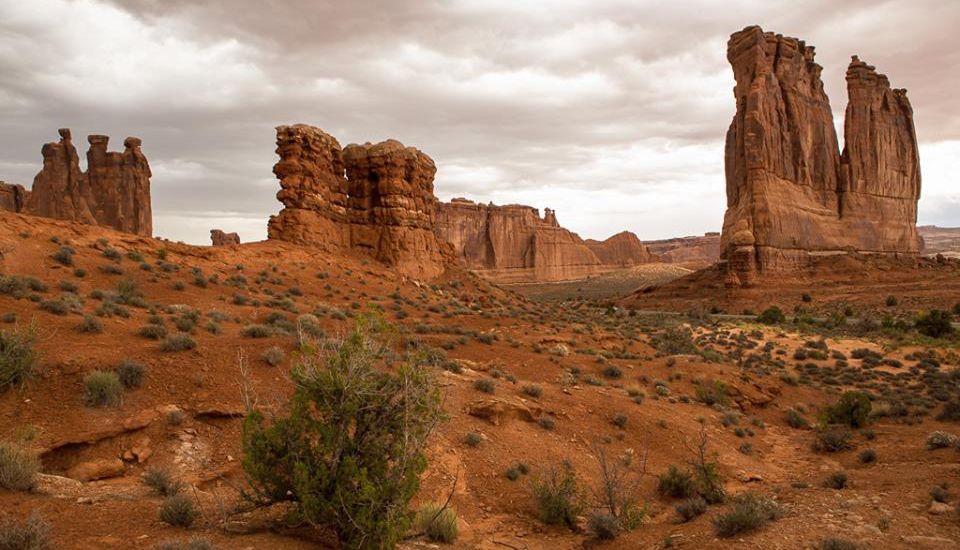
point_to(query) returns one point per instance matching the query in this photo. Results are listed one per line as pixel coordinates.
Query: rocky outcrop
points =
(376, 199)
(113, 192)
(513, 244)
(13, 197)
(219, 238)
(691, 251)
(790, 194)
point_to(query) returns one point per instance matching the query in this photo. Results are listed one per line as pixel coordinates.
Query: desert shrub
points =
(867, 456)
(620, 420)
(547, 422)
(473, 439)
(191, 544)
(162, 482)
(18, 359)
(795, 418)
(90, 325)
(102, 389)
(64, 256)
(18, 467)
(691, 508)
(852, 410)
(940, 440)
(934, 323)
(612, 371)
(273, 356)
(604, 525)
(179, 511)
(484, 385)
(950, 412)
(832, 439)
(257, 331)
(940, 493)
(153, 332)
(533, 390)
(773, 315)
(836, 480)
(437, 522)
(676, 483)
(712, 394)
(32, 533)
(350, 452)
(675, 341)
(747, 512)
(178, 342)
(892, 301)
(131, 373)
(558, 495)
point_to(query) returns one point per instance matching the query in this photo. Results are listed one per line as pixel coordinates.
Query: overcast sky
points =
(611, 112)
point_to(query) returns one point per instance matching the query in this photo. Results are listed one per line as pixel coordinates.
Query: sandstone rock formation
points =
(13, 197)
(114, 192)
(790, 194)
(219, 238)
(513, 244)
(691, 251)
(377, 199)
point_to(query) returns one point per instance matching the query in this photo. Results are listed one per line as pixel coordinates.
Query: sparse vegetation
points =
(32, 533)
(18, 359)
(747, 512)
(179, 510)
(558, 495)
(102, 389)
(18, 467)
(131, 373)
(437, 522)
(178, 342)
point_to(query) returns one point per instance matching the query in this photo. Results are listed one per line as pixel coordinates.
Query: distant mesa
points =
(374, 199)
(513, 244)
(220, 238)
(113, 192)
(694, 252)
(791, 193)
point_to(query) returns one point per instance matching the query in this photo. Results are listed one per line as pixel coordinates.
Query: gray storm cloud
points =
(611, 112)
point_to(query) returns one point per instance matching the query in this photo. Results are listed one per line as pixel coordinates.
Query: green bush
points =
(691, 508)
(712, 394)
(559, 496)
(350, 452)
(773, 315)
(747, 512)
(836, 480)
(18, 467)
(795, 418)
(179, 510)
(273, 356)
(934, 323)
(153, 331)
(437, 522)
(852, 410)
(604, 525)
(676, 483)
(533, 390)
(257, 331)
(675, 341)
(18, 360)
(484, 385)
(32, 533)
(473, 439)
(102, 389)
(831, 439)
(90, 325)
(162, 482)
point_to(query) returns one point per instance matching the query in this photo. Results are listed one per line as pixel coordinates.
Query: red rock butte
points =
(791, 194)
(374, 199)
(513, 244)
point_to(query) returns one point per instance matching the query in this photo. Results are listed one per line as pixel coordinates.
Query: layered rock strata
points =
(790, 193)
(513, 244)
(374, 198)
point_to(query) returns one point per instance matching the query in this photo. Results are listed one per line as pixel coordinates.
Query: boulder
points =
(96, 469)
(790, 193)
(219, 238)
(501, 411)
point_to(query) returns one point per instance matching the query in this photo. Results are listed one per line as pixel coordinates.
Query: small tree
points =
(559, 496)
(618, 495)
(706, 472)
(935, 323)
(852, 410)
(773, 315)
(350, 453)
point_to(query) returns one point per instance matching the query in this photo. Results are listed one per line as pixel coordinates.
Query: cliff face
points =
(692, 251)
(13, 197)
(113, 192)
(377, 199)
(513, 244)
(789, 193)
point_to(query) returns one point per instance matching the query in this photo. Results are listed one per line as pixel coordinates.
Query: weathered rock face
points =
(114, 192)
(377, 199)
(693, 251)
(789, 193)
(513, 244)
(13, 197)
(219, 238)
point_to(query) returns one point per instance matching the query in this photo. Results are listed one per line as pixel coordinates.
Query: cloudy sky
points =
(612, 112)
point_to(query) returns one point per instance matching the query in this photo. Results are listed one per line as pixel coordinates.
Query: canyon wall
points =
(790, 192)
(513, 244)
(694, 252)
(113, 192)
(372, 198)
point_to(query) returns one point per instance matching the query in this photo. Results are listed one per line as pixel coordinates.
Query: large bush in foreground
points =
(350, 452)
(18, 360)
